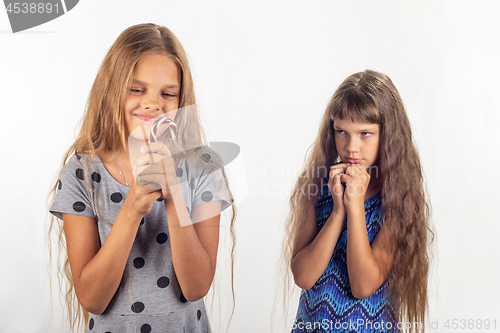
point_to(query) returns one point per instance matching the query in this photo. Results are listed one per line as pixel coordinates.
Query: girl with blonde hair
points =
(140, 258)
(358, 234)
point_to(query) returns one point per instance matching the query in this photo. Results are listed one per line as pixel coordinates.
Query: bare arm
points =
(97, 271)
(313, 250)
(194, 248)
(367, 265)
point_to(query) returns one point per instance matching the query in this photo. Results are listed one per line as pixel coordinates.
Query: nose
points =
(150, 102)
(352, 144)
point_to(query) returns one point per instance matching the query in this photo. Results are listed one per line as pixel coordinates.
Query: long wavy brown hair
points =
(371, 97)
(103, 129)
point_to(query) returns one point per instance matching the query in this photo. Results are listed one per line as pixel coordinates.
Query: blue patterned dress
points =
(329, 305)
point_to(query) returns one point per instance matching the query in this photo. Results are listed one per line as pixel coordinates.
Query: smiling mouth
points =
(144, 117)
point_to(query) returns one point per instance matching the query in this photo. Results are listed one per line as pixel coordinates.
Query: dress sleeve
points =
(211, 183)
(73, 196)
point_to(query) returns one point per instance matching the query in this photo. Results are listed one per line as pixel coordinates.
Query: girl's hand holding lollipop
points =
(155, 167)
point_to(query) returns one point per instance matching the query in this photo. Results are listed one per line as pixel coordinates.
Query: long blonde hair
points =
(371, 97)
(103, 129)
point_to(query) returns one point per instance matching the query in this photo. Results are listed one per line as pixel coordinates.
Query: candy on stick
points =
(172, 129)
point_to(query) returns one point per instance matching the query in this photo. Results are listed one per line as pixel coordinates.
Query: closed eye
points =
(169, 95)
(136, 90)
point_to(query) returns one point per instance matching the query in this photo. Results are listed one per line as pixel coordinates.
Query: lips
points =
(353, 160)
(144, 117)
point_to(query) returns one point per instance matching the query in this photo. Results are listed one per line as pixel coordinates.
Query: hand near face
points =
(357, 180)
(336, 187)
(155, 169)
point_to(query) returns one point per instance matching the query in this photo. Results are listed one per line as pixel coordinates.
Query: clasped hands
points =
(348, 184)
(155, 169)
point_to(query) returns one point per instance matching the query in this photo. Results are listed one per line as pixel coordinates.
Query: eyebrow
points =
(165, 86)
(372, 129)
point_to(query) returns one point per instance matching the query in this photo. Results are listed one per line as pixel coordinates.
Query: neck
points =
(120, 153)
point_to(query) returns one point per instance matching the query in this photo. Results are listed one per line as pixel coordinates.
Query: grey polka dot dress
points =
(149, 298)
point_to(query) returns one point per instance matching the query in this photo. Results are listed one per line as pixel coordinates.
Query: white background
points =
(264, 72)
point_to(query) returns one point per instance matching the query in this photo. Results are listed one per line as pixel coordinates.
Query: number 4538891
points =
(470, 324)
(32, 8)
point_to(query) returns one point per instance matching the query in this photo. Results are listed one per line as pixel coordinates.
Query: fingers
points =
(334, 183)
(153, 153)
(149, 170)
(145, 188)
(344, 178)
(338, 188)
(347, 169)
(352, 169)
(151, 181)
(156, 147)
(337, 179)
(355, 170)
(337, 168)
(148, 159)
(156, 152)
(154, 187)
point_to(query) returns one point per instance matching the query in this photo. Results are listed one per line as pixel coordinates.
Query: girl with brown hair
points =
(140, 258)
(357, 235)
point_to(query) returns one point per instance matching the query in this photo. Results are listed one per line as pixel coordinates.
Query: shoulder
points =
(203, 160)
(206, 177)
(80, 167)
(208, 155)
(73, 194)
(81, 161)
(73, 167)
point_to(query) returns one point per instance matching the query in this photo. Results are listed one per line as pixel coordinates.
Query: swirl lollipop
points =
(172, 129)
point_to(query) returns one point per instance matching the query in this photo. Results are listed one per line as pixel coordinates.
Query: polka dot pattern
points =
(163, 282)
(79, 173)
(78, 157)
(139, 262)
(179, 172)
(207, 196)
(162, 238)
(146, 328)
(206, 157)
(138, 307)
(154, 235)
(116, 197)
(79, 206)
(96, 177)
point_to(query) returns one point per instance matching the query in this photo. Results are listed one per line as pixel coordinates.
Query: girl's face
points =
(156, 84)
(356, 142)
